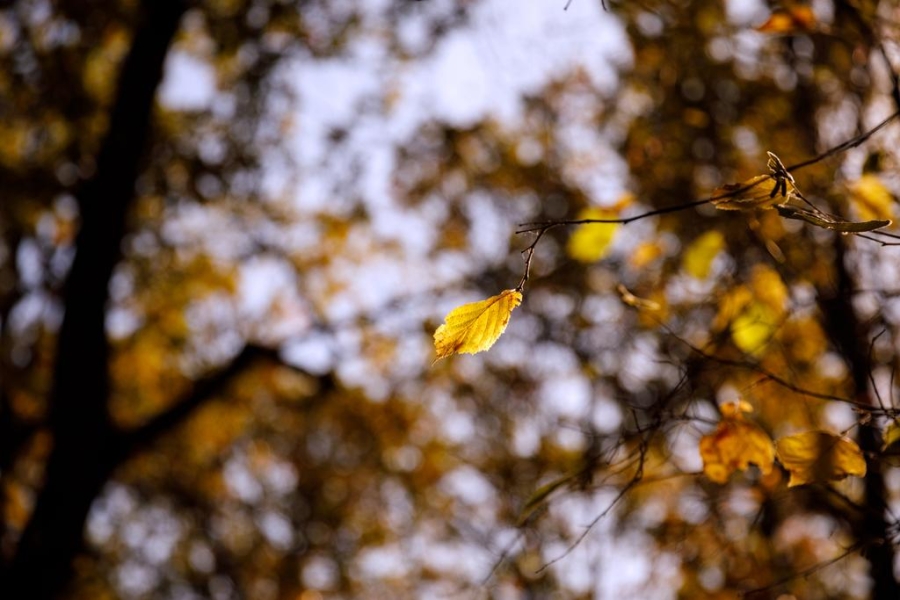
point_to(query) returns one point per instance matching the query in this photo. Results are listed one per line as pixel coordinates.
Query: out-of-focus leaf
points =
(635, 302)
(754, 312)
(891, 436)
(753, 327)
(645, 254)
(872, 199)
(768, 287)
(794, 19)
(820, 219)
(819, 456)
(735, 445)
(590, 242)
(474, 327)
(536, 500)
(699, 255)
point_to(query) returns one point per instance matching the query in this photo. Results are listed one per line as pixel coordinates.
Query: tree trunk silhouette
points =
(84, 441)
(845, 331)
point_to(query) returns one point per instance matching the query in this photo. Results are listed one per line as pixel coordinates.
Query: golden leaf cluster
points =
(809, 457)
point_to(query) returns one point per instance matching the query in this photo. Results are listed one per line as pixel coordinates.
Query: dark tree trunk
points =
(845, 331)
(85, 444)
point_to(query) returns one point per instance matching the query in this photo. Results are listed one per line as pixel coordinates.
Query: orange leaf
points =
(796, 19)
(735, 444)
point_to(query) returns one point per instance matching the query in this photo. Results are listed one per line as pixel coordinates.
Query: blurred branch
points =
(768, 375)
(203, 390)
(804, 573)
(635, 480)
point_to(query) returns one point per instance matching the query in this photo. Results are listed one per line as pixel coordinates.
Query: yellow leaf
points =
(699, 255)
(474, 327)
(872, 199)
(818, 456)
(753, 313)
(590, 242)
(735, 444)
(753, 327)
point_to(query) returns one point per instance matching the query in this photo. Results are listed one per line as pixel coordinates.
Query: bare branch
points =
(804, 573)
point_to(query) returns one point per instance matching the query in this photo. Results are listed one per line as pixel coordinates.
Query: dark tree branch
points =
(203, 390)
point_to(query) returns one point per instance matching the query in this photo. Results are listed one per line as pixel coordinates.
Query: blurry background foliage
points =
(323, 180)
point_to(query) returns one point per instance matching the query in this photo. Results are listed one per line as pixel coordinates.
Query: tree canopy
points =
(332, 299)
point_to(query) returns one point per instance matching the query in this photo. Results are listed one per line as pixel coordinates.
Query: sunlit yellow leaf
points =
(590, 242)
(699, 255)
(474, 327)
(818, 456)
(761, 191)
(735, 445)
(872, 199)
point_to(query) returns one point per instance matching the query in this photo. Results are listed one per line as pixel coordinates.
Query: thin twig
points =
(743, 364)
(871, 373)
(529, 255)
(804, 573)
(851, 143)
(639, 474)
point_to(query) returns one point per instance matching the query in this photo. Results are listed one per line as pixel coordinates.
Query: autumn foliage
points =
(318, 300)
